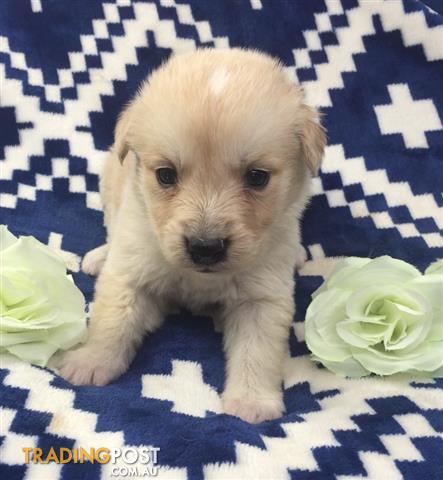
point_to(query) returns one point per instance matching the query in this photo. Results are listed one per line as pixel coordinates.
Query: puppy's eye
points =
(166, 176)
(257, 178)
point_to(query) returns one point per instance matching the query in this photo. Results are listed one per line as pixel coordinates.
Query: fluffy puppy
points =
(203, 190)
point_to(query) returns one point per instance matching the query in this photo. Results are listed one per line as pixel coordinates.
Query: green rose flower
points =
(378, 316)
(41, 309)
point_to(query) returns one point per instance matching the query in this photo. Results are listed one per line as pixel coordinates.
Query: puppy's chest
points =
(199, 295)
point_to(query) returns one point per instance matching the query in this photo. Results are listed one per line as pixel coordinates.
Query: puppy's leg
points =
(111, 187)
(256, 344)
(122, 314)
(301, 257)
(94, 260)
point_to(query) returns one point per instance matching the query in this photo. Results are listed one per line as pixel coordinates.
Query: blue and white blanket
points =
(375, 70)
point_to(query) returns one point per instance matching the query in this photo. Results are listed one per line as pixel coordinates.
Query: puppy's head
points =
(224, 146)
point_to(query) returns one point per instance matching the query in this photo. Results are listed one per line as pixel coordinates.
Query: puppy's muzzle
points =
(206, 251)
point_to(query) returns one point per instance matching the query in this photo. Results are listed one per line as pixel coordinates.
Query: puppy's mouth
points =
(216, 269)
(206, 270)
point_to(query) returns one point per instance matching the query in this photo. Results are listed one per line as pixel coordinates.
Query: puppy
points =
(203, 191)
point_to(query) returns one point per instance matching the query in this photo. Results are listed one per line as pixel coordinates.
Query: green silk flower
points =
(378, 316)
(41, 309)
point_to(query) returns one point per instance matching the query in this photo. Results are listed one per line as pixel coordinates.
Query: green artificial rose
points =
(378, 316)
(41, 309)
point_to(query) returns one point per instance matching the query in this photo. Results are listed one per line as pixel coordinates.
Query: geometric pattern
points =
(374, 69)
(412, 118)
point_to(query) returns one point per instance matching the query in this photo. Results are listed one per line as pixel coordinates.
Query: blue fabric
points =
(379, 192)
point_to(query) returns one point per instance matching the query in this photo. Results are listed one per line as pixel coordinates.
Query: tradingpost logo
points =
(127, 461)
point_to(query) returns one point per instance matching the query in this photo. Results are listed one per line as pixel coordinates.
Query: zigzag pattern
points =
(396, 194)
(53, 409)
(95, 48)
(349, 38)
(339, 429)
(374, 68)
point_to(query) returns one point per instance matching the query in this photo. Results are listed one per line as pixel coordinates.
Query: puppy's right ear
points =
(121, 147)
(313, 139)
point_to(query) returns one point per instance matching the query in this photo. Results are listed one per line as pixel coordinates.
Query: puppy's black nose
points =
(206, 251)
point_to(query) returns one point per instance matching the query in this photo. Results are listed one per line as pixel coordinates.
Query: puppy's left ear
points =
(313, 139)
(121, 147)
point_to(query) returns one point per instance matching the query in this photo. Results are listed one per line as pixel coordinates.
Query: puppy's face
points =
(223, 143)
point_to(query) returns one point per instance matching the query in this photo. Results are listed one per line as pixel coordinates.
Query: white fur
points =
(218, 81)
(94, 260)
(146, 271)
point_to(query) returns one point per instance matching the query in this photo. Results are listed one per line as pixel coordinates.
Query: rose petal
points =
(393, 303)
(42, 309)
(437, 373)
(397, 332)
(33, 255)
(435, 268)
(393, 321)
(352, 332)
(323, 313)
(430, 286)
(427, 357)
(436, 331)
(6, 238)
(345, 368)
(10, 293)
(37, 353)
(68, 335)
(342, 270)
(14, 338)
(380, 271)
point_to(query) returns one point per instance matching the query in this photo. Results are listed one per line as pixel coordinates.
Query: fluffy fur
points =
(212, 115)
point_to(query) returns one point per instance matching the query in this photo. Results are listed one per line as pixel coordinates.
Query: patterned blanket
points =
(375, 70)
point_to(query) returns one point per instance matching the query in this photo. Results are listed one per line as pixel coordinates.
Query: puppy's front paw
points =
(254, 410)
(94, 260)
(89, 366)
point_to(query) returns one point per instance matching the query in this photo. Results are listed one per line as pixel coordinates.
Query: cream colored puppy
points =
(203, 191)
